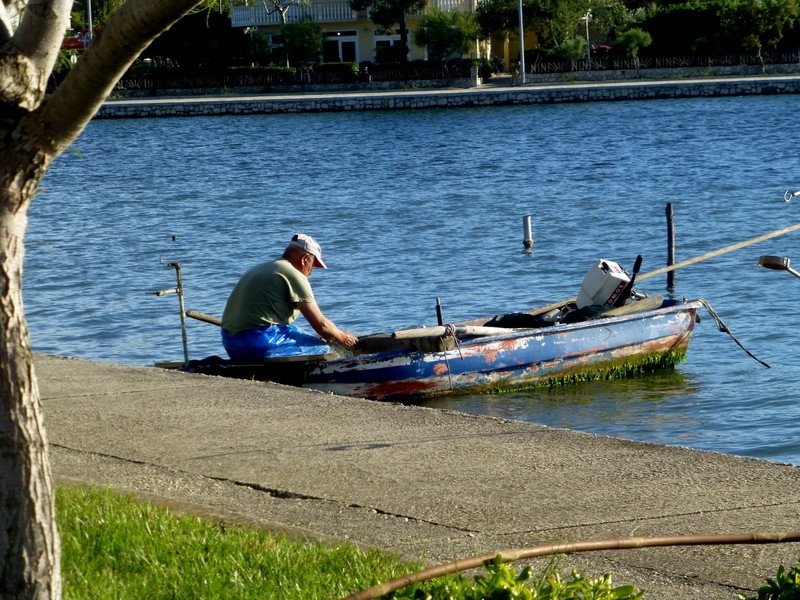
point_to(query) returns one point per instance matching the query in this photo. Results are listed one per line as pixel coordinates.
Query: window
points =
(340, 46)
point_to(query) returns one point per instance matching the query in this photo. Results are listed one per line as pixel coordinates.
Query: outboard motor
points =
(603, 284)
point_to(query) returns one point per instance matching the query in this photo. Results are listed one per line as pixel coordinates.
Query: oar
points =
(204, 317)
(721, 251)
(440, 330)
(683, 263)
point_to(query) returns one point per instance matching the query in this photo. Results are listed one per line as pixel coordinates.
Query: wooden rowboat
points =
(480, 356)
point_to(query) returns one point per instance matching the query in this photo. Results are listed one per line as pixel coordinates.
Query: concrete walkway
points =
(427, 484)
(426, 98)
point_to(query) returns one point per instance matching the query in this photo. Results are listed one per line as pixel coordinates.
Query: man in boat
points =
(258, 316)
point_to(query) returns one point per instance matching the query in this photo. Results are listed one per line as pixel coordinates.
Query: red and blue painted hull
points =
(595, 349)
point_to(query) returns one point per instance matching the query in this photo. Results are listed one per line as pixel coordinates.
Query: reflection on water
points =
(660, 402)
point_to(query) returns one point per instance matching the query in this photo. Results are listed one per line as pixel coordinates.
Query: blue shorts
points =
(268, 342)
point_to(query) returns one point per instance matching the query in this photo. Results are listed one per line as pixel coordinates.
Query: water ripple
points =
(414, 205)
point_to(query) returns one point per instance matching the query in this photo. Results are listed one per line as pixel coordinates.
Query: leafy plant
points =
(390, 15)
(302, 41)
(629, 42)
(501, 582)
(785, 586)
(447, 34)
(573, 49)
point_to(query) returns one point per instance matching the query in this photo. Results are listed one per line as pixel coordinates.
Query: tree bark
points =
(34, 129)
(30, 558)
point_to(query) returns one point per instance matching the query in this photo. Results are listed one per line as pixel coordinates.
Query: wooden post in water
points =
(670, 245)
(527, 239)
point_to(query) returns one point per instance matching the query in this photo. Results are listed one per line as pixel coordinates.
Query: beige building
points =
(351, 36)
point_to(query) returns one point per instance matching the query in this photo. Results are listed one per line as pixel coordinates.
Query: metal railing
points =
(327, 12)
(319, 12)
(615, 63)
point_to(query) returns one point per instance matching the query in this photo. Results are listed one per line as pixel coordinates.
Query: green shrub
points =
(337, 72)
(392, 53)
(785, 586)
(574, 49)
(501, 581)
(631, 41)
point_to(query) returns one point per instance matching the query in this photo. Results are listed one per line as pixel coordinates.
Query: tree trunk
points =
(404, 33)
(34, 129)
(30, 558)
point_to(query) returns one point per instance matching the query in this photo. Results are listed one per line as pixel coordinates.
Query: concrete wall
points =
(451, 98)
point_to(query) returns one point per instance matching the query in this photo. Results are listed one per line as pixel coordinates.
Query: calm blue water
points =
(411, 206)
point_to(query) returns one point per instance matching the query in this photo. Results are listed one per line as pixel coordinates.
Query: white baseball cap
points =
(310, 245)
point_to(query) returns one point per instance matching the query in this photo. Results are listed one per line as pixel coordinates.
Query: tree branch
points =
(28, 55)
(40, 32)
(133, 27)
(5, 25)
(9, 17)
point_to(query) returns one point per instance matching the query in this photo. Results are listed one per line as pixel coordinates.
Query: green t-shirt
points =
(266, 295)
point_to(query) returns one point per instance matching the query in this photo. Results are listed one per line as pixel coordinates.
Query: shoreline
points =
(485, 95)
(427, 484)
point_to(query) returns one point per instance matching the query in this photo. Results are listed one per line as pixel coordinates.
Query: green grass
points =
(118, 547)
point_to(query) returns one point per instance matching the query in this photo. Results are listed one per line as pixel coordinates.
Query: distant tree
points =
(609, 16)
(447, 33)
(302, 41)
(101, 12)
(204, 39)
(686, 29)
(282, 7)
(629, 42)
(556, 22)
(759, 25)
(388, 14)
(574, 49)
(499, 17)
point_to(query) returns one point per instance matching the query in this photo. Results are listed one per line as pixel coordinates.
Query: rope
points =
(450, 330)
(724, 328)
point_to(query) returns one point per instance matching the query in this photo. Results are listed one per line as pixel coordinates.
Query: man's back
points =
(266, 294)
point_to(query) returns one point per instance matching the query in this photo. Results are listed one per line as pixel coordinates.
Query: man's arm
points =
(324, 326)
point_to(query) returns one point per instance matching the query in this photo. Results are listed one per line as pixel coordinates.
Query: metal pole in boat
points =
(670, 245)
(178, 290)
(177, 266)
(439, 316)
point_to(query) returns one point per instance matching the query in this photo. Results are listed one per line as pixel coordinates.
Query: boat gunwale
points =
(469, 340)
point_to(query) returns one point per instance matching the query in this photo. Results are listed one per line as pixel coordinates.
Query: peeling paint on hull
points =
(596, 349)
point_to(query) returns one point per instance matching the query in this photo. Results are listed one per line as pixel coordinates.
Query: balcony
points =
(323, 12)
(320, 12)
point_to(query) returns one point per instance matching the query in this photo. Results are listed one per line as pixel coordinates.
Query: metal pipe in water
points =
(527, 239)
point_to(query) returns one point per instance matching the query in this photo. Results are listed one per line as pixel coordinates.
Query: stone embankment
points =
(486, 95)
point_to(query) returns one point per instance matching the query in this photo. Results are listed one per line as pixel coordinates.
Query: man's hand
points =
(349, 340)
